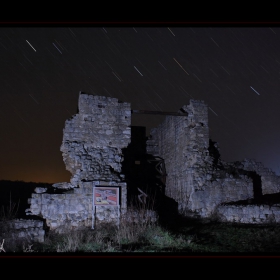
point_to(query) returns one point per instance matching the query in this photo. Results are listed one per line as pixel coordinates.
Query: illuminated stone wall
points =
(197, 180)
(74, 208)
(93, 139)
(92, 151)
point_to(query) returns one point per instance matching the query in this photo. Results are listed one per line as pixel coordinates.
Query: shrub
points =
(10, 211)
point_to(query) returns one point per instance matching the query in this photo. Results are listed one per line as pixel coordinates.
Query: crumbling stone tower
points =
(92, 151)
(192, 179)
(198, 181)
(93, 139)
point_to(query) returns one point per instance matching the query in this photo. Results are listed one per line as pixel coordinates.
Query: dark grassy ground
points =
(212, 236)
(189, 237)
(185, 237)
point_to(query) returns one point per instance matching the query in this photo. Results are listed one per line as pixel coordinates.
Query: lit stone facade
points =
(197, 179)
(92, 151)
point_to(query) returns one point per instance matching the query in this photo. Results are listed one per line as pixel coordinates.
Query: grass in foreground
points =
(194, 237)
(178, 235)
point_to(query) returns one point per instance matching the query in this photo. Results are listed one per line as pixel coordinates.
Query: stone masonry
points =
(92, 151)
(249, 214)
(93, 139)
(269, 180)
(197, 179)
(29, 230)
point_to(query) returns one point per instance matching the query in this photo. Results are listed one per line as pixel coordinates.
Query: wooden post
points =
(93, 209)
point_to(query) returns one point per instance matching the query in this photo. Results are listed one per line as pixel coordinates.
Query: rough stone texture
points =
(220, 191)
(74, 209)
(93, 139)
(92, 151)
(269, 180)
(182, 141)
(197, 179)
(31, 230)
(194, 179)
(250, 214)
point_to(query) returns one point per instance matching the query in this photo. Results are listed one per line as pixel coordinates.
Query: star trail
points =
(235, 70)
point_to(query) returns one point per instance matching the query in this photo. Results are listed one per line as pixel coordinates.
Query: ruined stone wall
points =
(182, 142)
(251, 214)
(204, 202)
(192, 181)
(75, 208)
(93, 139)
(92, 145)
(167, 139)
(269, 180)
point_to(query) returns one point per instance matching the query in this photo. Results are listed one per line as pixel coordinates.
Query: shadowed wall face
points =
(182, 141)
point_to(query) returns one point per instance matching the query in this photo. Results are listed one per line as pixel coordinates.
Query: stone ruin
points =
(23, 229)
(95, 148)
(201, 183)
(92, 151)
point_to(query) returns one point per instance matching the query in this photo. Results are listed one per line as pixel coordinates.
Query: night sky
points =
(235, 70)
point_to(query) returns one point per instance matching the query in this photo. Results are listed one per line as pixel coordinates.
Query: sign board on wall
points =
(106, 195)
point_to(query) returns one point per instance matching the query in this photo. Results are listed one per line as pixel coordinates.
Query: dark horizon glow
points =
(235, 70)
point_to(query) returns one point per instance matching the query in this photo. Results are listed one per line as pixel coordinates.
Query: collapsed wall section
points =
(93, 139)
(192, 180)
(182, 141)
(270, 182)
(92, 145)
(249, 214)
